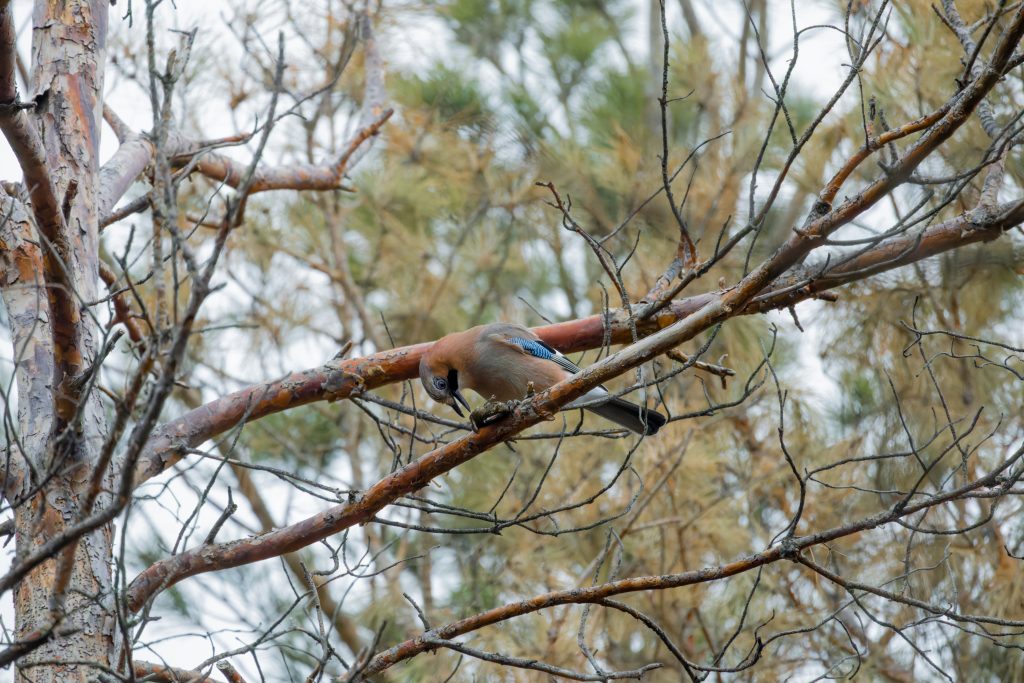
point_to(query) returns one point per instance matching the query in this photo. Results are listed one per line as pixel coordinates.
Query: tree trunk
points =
(87, 624)
(59, 437)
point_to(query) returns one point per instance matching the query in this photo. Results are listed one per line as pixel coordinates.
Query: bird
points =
(506, 362)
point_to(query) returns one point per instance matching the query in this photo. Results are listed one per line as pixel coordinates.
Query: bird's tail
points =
(635, 418)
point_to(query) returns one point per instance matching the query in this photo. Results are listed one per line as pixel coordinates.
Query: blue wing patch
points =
(539, 349)
(534, 348)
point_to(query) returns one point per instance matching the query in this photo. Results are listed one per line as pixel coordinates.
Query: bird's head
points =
(441, 379)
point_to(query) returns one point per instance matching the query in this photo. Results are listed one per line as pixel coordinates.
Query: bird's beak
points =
(457, 396)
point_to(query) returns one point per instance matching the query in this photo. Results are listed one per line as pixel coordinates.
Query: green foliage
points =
(616, 106)
(454, 99)
(860, 400)
(571, 43)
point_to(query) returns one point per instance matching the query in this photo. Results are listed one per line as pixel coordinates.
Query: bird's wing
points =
(539, 349)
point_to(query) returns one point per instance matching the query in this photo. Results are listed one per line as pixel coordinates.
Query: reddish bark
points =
(688, 318)
(598, 593)
(336, 381)
(340, 379)
(57, 149)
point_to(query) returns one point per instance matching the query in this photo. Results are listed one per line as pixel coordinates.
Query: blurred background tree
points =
(443, 227)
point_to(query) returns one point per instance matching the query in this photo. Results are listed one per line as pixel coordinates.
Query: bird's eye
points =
(440, 384)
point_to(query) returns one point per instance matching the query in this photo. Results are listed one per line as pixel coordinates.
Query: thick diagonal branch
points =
(707, 311)
(696, 314)
(341, 379)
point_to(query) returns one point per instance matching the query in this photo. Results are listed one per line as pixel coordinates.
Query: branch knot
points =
(789, 548)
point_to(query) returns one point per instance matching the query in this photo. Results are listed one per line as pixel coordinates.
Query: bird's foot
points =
(491, 412)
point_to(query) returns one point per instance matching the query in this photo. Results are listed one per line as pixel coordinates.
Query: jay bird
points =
(502, 360)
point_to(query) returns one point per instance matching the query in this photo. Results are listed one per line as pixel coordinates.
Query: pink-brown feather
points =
(493, 367)
(490, 365)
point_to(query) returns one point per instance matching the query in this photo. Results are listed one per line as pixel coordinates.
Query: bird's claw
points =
(490, 412)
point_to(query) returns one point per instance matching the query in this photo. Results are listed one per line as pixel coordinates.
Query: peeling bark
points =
(24, 295)
(68, 53)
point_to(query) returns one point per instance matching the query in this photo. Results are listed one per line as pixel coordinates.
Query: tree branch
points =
(707, 311)
(694, 316)
(161, 673)
(595, 594)
(338, 380)
(288, 177)
(136, 150)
